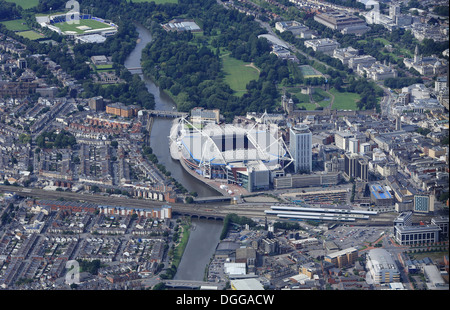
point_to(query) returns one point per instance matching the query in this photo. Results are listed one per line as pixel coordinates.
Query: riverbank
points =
(181, 245)
(196, 246)
(211, 183)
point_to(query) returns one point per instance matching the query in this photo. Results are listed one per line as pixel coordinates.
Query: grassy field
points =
(303, 99)
(382, 40)
(308, 106)
(25, 4)
(321, 97)
(238, 74)
(16, 25)
(31, 34)
(93, 24)
(104, 68)
(344, 100)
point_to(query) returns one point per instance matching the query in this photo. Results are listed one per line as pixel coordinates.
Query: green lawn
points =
(344, 100)
(321, 97)
(25, 4)
(104, 68)
(238, 74)
(307, 106)
(382, 40)
(16, 25)
(303, 99)
(31, 34)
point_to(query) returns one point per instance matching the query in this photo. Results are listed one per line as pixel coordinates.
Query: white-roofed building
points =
(182, 25)
(246, 284)
(434, 278)
(382, 267)
(235, 269)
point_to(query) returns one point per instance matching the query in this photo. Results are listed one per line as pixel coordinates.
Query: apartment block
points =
(342, 258)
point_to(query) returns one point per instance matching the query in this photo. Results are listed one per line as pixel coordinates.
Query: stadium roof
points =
(223, 144)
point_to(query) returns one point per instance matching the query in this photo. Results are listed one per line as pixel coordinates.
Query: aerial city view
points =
(213, 145)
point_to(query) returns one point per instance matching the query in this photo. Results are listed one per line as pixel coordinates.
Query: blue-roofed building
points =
(380, 196)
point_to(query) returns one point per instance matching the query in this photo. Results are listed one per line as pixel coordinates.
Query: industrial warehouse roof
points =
(247, 284)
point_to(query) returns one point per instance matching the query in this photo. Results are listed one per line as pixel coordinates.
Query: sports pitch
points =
(309, 72)
(82, 26)
(30, 34)
(16, 25)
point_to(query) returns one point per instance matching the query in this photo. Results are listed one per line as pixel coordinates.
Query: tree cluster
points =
(401, 82)
(189, 66)
(8, 10)
(51, 139)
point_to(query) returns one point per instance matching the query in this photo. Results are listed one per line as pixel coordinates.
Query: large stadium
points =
(82, 27)
(249, 155)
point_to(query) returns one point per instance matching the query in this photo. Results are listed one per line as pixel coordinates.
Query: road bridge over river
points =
(170, 114)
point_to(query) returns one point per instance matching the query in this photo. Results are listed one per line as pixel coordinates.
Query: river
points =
(205, 234)
(159, 137)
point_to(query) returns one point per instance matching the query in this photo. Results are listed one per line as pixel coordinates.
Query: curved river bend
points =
(205, 234)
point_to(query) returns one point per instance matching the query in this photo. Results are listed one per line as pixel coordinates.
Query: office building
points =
(295, 27)
(442, 223)
(441, 83)
(404, 219)
(200, 114)
(394, 11)
(345, 54)
(301, 148)
(382, 267)
(306, 180)
(341, 139)
(96, 104)
(343, 258)
(326, 46)
(338, 20)
(353, 145)
(423, 203)
(380, 196)
(376, 71)
(356, 166)
(120, 109)
(363, 60)
(407, 235)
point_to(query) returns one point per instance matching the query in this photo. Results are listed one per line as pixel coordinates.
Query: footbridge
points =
(168, 114)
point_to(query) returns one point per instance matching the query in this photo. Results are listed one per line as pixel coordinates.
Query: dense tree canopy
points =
(51, 139)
